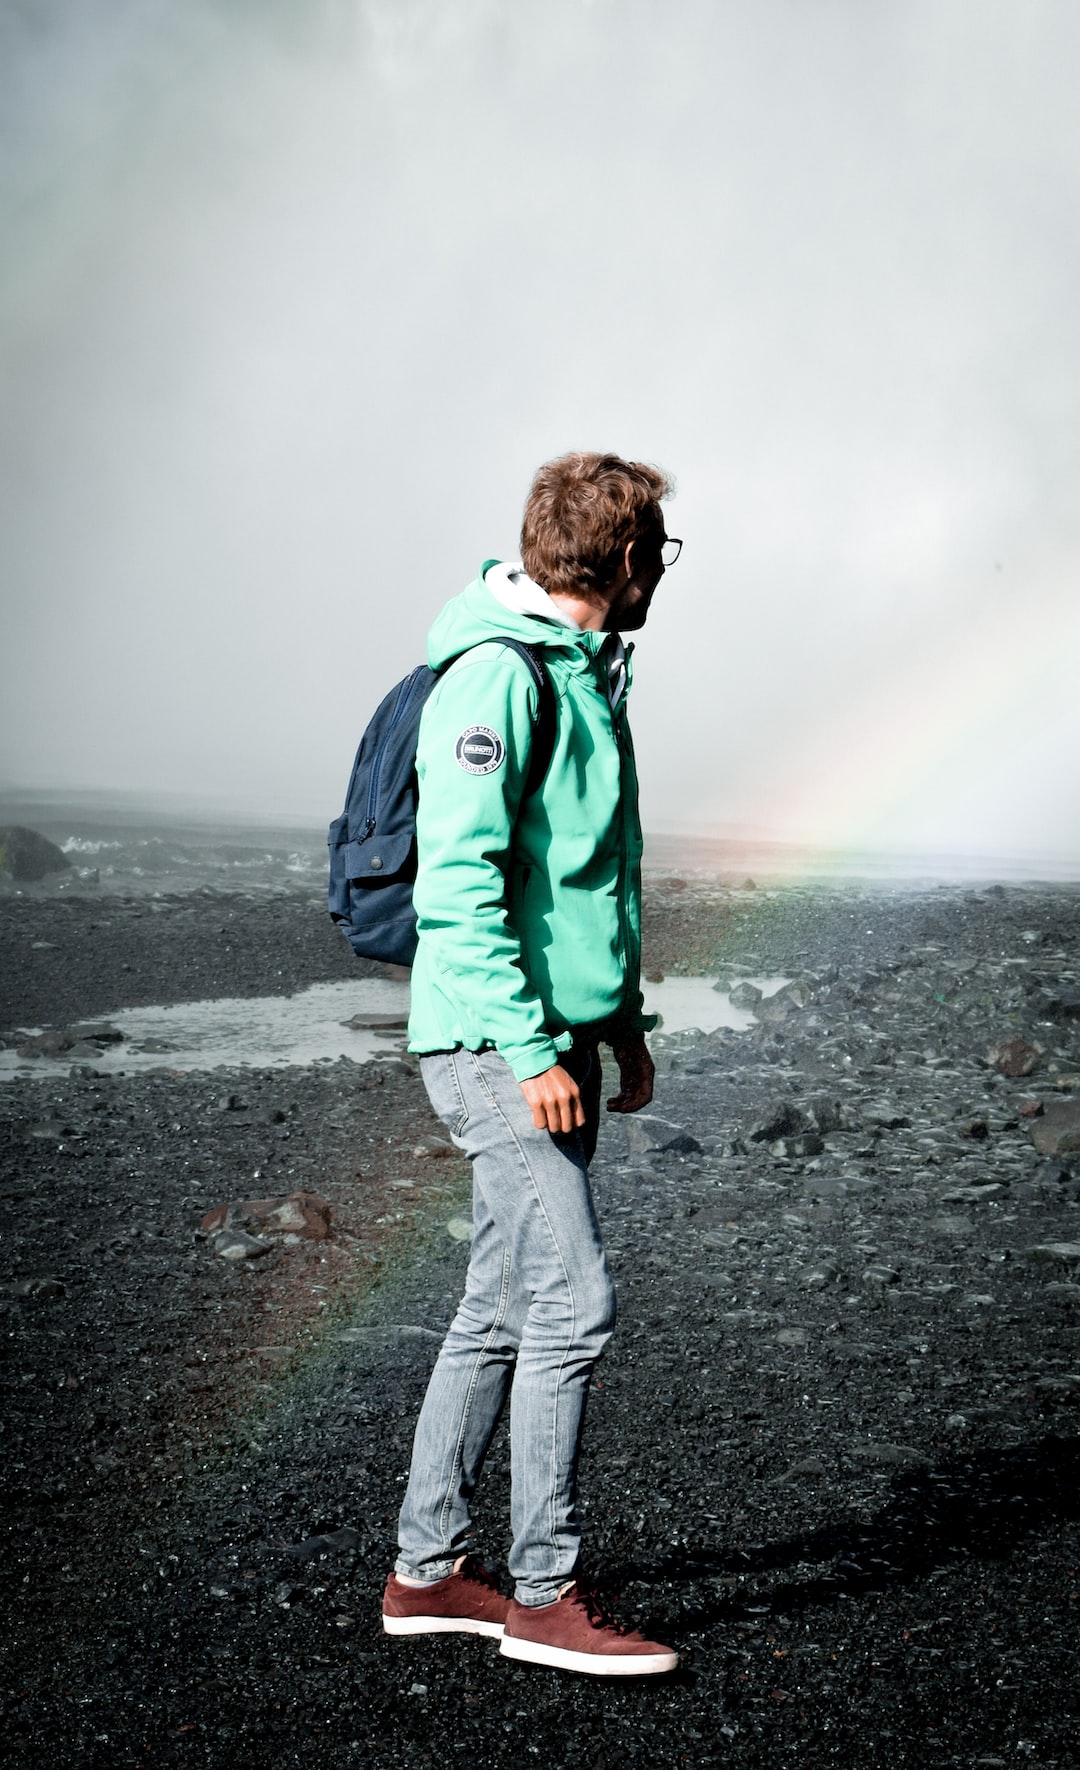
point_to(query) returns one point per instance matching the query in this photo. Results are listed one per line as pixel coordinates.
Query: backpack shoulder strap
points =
(543, 744)
(543, 739)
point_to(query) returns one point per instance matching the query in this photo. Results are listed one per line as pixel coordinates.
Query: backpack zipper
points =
(376, 767)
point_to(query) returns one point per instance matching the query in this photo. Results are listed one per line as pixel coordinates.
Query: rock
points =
(744, 995)
(1064, 1252)
(1014, 1057)
(817, 1276)
(955, 1226)
(958, 1195)
(1066, 1083)
(976, 1128)
(25, 856)
(395, 1066)
(47, 1044)
(827, 1115)
(824, 1186)
(36, 1287)
(1064, 1388)
(808, 1466)
(302, 1216)
(99, 1032)
(784, 1120)
(329, 1543)
(646, 1133)
(880, 1276)
(370, 1018)
(792, 1336)
(233, 1244)
(1030, 1109)
(808, 1143)
(459, 1228)
(886, 1117)
(1057, 1132)
(433, 1150)
(1059, 1005)
(784, 1003)
(891, 1455)
(774, 1009)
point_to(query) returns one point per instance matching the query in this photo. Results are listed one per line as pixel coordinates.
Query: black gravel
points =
(832, 1452)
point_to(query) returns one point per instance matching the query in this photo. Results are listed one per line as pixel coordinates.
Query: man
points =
(528, 906)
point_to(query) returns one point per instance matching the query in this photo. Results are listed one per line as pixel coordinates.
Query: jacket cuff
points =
(539, 1055)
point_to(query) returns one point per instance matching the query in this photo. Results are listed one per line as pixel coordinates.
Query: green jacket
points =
(528, 907)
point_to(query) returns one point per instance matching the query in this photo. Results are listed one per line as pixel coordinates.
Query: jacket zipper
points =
(629, 834)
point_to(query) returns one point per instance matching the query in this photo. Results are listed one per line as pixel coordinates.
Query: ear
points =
(628, 562)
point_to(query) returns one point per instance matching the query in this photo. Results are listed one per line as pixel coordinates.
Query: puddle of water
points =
(268, 1032)
(263, 1032)
(686, 1003)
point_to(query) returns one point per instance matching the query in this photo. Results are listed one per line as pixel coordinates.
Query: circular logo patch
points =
(479, 750)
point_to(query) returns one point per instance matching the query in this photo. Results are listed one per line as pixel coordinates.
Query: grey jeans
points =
(538, 1309)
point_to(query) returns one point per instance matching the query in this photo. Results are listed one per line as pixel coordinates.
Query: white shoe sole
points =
(600, 1665)
(439, 1625)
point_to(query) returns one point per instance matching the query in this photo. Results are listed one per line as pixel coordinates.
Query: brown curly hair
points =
(582, 512)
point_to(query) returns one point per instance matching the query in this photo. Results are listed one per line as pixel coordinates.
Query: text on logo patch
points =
(479, 750)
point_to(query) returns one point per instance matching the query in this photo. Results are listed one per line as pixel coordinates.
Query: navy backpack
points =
(373, 842)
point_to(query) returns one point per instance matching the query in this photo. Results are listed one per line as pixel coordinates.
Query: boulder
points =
(1065, 1253)
(647, 1133)
(25, 856)
(1057, 1132)
(784, 1120)
(978, 1128)
(885, 1116)
(784, 1002)
(825, 1114)
(744, 995)
(1014, 1057)
(233, 1244)
(302, 1216)
(48, 1044)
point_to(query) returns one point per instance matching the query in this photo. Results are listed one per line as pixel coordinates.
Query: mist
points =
(297, 299)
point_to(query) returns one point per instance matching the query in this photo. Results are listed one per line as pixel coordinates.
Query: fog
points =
(296, 298)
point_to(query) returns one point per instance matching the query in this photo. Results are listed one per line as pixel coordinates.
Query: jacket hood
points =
(477, 614)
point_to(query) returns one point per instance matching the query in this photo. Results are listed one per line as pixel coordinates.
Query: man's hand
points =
(636, 1072)
(555, 1100)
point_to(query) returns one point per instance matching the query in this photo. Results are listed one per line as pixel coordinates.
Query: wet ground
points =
(832, 1452)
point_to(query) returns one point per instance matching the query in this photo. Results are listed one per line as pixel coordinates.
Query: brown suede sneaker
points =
(579, 1634)
(466, 1602)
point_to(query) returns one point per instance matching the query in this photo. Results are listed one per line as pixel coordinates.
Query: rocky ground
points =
(832, 1452)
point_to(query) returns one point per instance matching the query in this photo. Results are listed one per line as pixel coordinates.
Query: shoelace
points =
(474, 1570)
(599, 1612)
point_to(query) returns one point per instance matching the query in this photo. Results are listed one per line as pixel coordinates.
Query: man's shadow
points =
(981, 1506)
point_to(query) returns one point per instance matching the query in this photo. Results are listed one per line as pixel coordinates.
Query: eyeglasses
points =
(670, 549)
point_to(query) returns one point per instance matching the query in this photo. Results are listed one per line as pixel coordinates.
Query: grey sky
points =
(297, 298)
